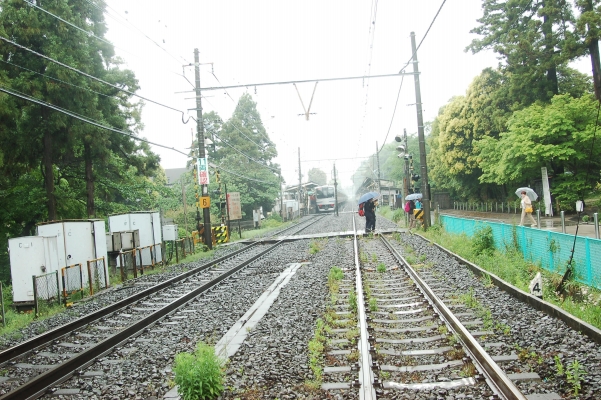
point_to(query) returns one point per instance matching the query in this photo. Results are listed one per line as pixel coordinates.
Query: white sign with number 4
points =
(536, 286)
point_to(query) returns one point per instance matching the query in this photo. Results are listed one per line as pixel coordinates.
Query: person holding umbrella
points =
(370, 215)
(526, 205)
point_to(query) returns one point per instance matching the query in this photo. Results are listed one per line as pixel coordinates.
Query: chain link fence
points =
(72, 277)
(46, 289)
(97, 275)
(128, 261)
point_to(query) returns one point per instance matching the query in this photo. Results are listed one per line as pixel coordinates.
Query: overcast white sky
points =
(270, 41)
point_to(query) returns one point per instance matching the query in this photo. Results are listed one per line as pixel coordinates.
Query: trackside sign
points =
(234, 208)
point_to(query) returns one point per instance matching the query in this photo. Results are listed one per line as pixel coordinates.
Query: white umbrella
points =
(413, 196)
(529, 192)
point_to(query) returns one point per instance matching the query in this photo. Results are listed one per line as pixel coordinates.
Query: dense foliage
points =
(52, 165)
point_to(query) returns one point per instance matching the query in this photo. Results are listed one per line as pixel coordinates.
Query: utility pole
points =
(200, 136)
(378, 160)
(184, 200)
(335, 191)
(407, 177)
(300, 200)
(420, 135)
(281, 196)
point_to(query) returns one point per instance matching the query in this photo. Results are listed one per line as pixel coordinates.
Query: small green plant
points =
(381, 267)
(469, 299)
(410, 260)
(373, 305)
(352, 300)
(315, 247)
(396, 236)
(335, 274)
(385, 374)
(575, 375)
(199, 375)
(316, 351)
(559, 366)
(374, 257)
(483, 241)
(585, 219)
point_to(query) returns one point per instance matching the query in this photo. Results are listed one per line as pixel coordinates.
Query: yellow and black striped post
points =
(220, 234)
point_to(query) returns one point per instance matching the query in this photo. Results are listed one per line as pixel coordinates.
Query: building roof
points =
(174, 174)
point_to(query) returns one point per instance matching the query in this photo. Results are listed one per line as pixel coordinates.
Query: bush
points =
(483, 241)
(399, 215)
(199, 375)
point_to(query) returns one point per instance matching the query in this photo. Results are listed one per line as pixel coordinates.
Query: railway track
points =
(35, 366)
(395, 343)
(411, 335)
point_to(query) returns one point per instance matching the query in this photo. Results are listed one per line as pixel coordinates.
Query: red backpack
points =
(361, 212)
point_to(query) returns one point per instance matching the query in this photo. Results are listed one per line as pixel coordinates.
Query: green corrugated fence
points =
(549, 249)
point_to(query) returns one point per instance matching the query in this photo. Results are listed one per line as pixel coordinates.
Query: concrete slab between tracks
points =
(430, 386)
(544, 396)
(233, 339)
(229, 344)
(423, 367)
(336, 386)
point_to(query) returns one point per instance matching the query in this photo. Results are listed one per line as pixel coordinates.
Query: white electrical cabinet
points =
(29, 256)
(148, 225)
(78, 241)
(170, 232)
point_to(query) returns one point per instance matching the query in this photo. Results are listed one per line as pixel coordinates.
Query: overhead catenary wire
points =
(244, 154)
(84, 119)
(57, 80)
(396, 103)
(221, 168)
(90, 33)
(406, 64)
(91, 76)
(135, 28)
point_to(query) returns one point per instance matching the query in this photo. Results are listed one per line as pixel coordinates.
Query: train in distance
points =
(325, 198)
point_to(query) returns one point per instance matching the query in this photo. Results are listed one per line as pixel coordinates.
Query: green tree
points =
(534, 38)
(244, 155)
(559, 136)
(318, 176)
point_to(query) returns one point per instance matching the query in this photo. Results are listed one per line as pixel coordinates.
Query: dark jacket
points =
(370, 209)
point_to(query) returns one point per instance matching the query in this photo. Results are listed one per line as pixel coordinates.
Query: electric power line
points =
(393, 112)
(84, 119)
(58, 80)
(402, 69)
(240, 176)
(135, 28)
(92, 77)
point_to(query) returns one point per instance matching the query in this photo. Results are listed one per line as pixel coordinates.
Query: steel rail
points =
(39, 385)
(366, 376)
(43, 339)
(495, 377)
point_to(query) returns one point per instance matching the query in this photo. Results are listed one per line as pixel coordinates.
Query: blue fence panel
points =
(551, 250)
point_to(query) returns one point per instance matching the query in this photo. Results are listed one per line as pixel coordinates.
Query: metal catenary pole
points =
(281, 196)
(378, 161)
(201, 151)
(420, 135)
(300, 200)
(335, 191)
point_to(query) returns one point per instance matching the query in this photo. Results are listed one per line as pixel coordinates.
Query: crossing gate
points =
(220, 234)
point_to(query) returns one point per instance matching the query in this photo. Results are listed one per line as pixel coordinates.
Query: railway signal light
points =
(415, 177)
